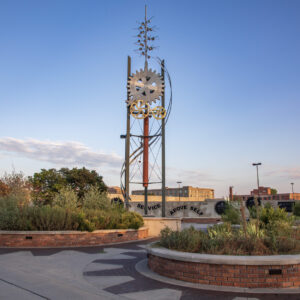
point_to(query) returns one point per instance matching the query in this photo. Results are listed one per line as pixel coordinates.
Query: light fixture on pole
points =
(179, 182)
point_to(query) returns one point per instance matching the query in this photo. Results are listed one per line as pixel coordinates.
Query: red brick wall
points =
(227, 275)
(70, 238)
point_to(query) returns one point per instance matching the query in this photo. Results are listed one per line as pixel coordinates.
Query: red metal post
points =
(146, 153)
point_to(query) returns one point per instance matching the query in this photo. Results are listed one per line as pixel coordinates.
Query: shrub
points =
(63, 216)
(66, 198)
(271, 217)
(296, 209)
(114, 219)
(4, 189)
(131, 220)
(190, 239)
(231, 214)
(222, 239)
(95, 199)
(9, 213)
(15, 184)
(50, 218)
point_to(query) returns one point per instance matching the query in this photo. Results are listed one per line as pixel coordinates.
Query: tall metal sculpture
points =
(145, 106)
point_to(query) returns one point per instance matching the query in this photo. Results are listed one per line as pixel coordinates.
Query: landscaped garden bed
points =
(276, 271)
(63, 208)
(263, 252)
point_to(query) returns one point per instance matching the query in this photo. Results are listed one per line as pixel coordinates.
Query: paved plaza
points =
(107, 272)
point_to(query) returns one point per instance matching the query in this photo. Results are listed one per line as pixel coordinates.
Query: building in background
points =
(114, 190)
(185, 193)
(267, 193)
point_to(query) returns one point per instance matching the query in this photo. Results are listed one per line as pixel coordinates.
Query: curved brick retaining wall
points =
(69, 238)
(277, 271)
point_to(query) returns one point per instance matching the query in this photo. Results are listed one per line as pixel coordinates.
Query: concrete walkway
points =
(106, 272)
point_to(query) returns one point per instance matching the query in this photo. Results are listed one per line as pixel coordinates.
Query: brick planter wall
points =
(28, 239)
(284, 274)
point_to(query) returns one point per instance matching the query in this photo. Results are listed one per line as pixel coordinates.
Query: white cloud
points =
(67, 153)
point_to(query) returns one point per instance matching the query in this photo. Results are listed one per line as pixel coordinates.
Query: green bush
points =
(66, 198)
(190, 239)
(131, 220)
(223, 239)
(232, 214)
(64, 215)
(114, 219)
(95, 199)
(50, 218)
(296, 209)
(269, 215)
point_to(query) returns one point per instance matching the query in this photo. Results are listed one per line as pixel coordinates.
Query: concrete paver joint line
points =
(22, 288)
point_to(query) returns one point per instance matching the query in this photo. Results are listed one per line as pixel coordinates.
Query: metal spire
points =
(144, 38)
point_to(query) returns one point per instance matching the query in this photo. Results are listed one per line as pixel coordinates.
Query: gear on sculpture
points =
(145, 85)
(139, 109)
(158, 112)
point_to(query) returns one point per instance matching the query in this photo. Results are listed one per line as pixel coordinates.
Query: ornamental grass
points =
(270, 233)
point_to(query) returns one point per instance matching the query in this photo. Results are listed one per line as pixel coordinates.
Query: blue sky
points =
(235, 69)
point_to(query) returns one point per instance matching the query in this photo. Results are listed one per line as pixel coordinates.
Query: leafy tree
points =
(4, 189)
(81, 180)
(15, 184)
(273, 192)
(47, 183)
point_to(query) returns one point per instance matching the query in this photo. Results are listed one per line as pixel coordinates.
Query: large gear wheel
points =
(145, 85)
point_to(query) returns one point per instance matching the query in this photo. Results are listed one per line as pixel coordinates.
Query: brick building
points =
(185, 192)
(265, 193)
(114, 190)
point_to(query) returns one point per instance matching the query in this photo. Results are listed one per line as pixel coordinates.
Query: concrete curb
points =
(224, 259)
(142, 268)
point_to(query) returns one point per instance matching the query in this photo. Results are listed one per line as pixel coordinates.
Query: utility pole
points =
(163, 150)
(179, 182)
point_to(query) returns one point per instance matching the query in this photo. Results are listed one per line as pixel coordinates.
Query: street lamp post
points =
(256, 165)
(179, 182)
(256, 200)
(292, 184)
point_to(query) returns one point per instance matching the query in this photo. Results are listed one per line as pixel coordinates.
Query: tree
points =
(47, 183)
(4, 189)
(82, 179)
(273, 192)
(15, 184)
